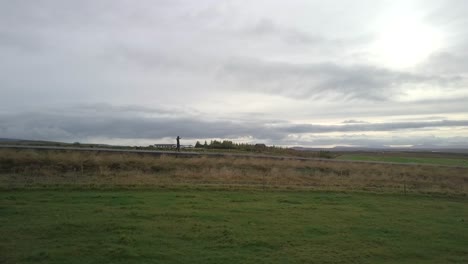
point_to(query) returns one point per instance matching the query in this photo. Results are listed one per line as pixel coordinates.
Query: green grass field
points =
(409, 159)
(237, 226)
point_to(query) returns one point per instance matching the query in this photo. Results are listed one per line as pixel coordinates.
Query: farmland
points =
(96, 207)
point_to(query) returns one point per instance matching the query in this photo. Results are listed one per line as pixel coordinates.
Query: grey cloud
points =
(352, 121)
(137, 58)
(45, 14)
(370, 141)
(268, 28)
(14, 41)
(383, 111)
(105, 109)
(308, 80)
(425, 118)
(308, 128)
(157, 61)
(449, 13)
(131, 122)
(127, 122)
(447, 63)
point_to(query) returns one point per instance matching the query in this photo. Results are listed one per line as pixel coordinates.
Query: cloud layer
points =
(301, 72)
(150, 124)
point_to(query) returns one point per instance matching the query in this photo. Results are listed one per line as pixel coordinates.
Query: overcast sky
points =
(294, 73)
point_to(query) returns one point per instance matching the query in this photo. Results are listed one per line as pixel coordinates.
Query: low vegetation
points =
(437, 160)
(203, 226)
(43, 169)
(103, 207)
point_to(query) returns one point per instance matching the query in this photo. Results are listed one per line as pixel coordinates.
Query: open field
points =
(98, 207)
(221, 226)
(418, 158)
(57, 169)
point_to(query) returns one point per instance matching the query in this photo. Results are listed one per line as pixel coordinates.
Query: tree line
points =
(227, 144)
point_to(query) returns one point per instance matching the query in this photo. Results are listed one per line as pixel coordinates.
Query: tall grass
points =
(41, 168)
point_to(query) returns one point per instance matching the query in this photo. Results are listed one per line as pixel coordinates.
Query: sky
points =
(289, 73)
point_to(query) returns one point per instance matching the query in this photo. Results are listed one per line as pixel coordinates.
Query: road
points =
(216, 154)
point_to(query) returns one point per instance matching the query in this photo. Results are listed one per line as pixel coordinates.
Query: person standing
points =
(178, 143)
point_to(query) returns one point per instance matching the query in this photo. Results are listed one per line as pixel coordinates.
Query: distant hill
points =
(9, 139)
(28, 141)
(460, 149)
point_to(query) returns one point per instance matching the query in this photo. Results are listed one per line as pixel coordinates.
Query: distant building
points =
(260, 146)
(170, 146)
(165, 146)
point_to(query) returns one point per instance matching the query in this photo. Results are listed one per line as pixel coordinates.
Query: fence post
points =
(404, 186)
(263, 180)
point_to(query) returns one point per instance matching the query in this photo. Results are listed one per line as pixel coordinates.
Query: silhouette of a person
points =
(178, 143)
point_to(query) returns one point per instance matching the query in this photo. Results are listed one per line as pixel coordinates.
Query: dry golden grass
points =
(40, 168)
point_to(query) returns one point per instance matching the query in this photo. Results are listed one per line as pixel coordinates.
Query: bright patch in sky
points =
(293, 73)
(403, 43)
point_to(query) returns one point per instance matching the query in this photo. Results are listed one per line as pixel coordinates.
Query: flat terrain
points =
(33, 169)
(65, 206)
(222, 226)
(445, 161)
